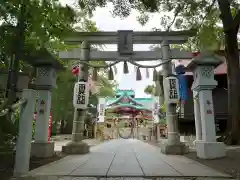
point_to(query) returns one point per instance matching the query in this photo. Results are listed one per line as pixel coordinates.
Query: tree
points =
(204, 16)
(62, 107)
(150, 89)
(26, 27)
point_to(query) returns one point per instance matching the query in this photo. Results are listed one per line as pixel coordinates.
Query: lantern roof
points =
(42, 57)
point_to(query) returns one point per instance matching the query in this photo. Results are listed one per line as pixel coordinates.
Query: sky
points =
(105, 22)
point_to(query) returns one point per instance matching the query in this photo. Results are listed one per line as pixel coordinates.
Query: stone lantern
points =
(47, 66)
(203, 67)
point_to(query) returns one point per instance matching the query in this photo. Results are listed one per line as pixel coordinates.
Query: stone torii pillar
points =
(77, 146)
(203, 69)
(173, 144)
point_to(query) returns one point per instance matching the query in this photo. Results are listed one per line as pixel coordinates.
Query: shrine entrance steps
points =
(125, 159)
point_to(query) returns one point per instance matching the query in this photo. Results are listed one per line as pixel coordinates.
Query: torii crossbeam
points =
(138, 37)
(75, 54)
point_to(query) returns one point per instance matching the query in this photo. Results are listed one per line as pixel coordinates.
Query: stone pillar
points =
(158, 133)
(43, 114)
(45, 82)
(172, 145)
(207, 115)
(197, 116)
(149, 134)
(23, 147)
(203, 67)
(77, 146)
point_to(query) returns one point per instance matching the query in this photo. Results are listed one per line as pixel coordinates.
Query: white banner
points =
(171, 90)
(81, 95)
(155, 109)
(101, 109)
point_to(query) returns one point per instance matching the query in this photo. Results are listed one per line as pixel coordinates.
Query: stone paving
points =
(119, 178)
(122, 159)
(61, 142)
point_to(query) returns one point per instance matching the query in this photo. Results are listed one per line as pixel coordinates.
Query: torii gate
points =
(125, 40)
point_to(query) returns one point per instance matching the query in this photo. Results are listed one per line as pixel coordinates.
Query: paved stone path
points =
(125, 158)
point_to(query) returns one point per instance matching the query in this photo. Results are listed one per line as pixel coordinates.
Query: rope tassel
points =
(138, 75)
(110, 74)
(125, 68)
(95, 74)
(155, 75)
(115, 69)
(147, 73)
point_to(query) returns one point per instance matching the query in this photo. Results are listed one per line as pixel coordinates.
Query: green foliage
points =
(45, 24)
(150, 89)
(202, 15)
(62, 95)
(163, 120)
(44, 21)
(62, 107)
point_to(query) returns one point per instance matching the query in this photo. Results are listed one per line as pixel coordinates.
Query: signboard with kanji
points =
(155, 109)
(101, 109)
(171, 90)
(81, 95)
(125, 42)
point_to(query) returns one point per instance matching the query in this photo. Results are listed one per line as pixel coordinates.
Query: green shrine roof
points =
(126, 98)
(129, 92)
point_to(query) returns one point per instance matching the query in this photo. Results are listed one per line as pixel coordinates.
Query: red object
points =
(76, 70)
(50, 127)
(35, 115)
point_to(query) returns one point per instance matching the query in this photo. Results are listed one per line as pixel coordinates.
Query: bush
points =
(9, 126)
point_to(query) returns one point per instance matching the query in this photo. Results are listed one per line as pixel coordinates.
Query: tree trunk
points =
(233, 72)
(231, 26)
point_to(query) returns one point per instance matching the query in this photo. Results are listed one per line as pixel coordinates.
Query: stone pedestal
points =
(174, 149)
(42, 150)
(153, 138)
(210, 150)
(76, 148)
